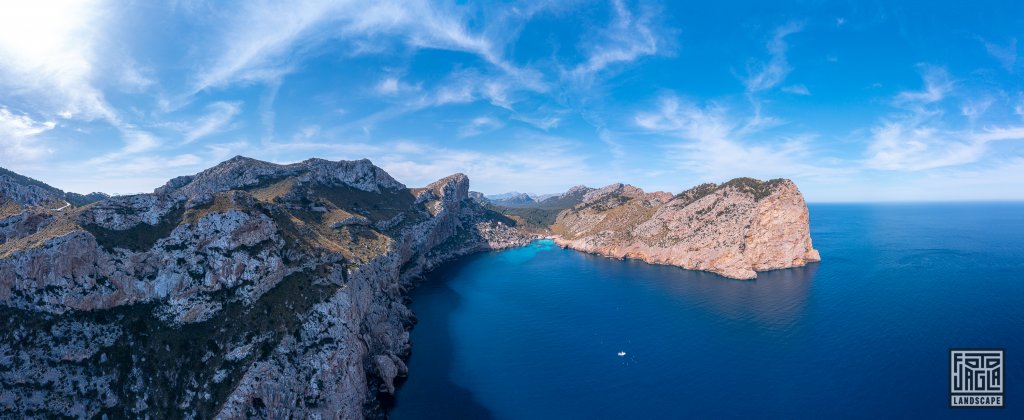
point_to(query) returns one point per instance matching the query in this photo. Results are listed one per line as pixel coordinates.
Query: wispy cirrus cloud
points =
(715, 146)
(17, 132)
(48, 54)
(391, 86)
(218, 118)
(766, 75)
(1006, 55)
(937, 85)
(262, 41)
(627, 38)
(480, 125)
(797, 90)
(921, 136)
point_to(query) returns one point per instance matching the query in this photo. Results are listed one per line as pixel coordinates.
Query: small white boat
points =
(622, 353)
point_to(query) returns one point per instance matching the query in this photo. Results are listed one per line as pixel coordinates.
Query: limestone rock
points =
(250, 289)
(254, 289)
(735, 229)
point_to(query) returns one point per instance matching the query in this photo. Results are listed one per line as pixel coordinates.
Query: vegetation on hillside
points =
(75, 199)
(539, 216)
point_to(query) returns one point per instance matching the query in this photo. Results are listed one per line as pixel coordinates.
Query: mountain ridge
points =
(256, 263)
(733, 229)
(227, 292)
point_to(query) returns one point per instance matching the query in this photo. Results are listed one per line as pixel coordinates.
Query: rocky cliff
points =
(254, 289)
(248, 290)
(735, 229)
(24, 191)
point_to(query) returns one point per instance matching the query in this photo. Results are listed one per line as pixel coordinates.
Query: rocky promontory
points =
(734, 229)
(248, 290)
(259, 290)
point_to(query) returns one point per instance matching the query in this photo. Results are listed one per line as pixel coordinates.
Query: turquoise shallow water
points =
(535, 332)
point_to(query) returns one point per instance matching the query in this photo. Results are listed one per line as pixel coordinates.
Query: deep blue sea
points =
(535, 332)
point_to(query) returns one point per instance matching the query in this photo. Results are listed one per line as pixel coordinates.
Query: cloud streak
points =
(48, 58)
(762, 76)
(628, 38)
(1005, 55)
(922, 140)
(219, 116)
(17, 132)
(715, 147)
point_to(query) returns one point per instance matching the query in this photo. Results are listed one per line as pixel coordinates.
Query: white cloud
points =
(480, 125)
(906, 146)
(1005, 55)
(47, 56)
(467, 86)
(999, 180)
(388, 86)
(393, 86)
(544, 121)
(764, 76)
(306, 133)
(714, 146)
(974, 109)
(134, 78)
(137, 141)
(797, 90)
(626, 39)
(258, 39)
(20, 126)
(923, 140)
(16, 135)
(937, 85)
(218, 118)
(262, 41)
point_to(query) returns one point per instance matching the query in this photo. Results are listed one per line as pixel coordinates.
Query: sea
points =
(541, 332)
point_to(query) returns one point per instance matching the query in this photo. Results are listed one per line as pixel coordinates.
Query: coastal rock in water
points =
(258, 290)
(735, 229)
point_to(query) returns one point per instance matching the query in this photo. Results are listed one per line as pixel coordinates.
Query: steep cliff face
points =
(254, 289)
(249, 289)
(735, 229)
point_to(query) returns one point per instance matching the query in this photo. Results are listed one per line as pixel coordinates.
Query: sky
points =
(854, 101)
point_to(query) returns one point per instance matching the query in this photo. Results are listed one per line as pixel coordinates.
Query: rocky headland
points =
(254, 289)
(248, 290)
(735, 229)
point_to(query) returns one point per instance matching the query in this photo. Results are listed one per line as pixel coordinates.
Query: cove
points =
(536, 332)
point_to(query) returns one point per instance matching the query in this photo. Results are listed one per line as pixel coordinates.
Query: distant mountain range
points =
(30, 191)
(518, 199)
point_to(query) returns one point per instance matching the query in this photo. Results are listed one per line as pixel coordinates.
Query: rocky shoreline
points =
(238, 292)
(735, 229)
(254, 289)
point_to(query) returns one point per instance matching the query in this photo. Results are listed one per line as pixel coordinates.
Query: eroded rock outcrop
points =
(257, 290)
(735, 229)
(248, 290)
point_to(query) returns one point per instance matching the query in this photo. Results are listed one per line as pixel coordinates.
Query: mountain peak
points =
(27, 191)
(242, 172)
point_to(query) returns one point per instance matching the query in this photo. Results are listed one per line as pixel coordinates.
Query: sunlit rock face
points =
(254, 289)
(249, 289)
(735, 229)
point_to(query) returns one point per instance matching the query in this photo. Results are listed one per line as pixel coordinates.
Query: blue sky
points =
(854, 101)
